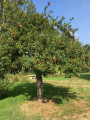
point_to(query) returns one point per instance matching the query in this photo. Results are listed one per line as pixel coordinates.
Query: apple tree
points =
(37, 42)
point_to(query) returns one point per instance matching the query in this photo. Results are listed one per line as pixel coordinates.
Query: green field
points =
(64, 99)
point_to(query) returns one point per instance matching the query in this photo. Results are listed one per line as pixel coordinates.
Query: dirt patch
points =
(46, 110)
(49, 110)
(84, 116)
(74, 78)
(80, 104)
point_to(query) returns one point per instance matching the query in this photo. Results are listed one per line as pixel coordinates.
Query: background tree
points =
(86, 57)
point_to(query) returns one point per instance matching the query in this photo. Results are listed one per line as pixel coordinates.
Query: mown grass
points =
(65, 99)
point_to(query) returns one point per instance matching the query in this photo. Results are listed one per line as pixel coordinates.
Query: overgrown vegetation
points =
(4, 86)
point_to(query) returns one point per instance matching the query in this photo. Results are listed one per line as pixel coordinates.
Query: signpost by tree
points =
(37, 42)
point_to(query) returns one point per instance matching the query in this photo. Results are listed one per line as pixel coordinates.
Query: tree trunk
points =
(39, 88)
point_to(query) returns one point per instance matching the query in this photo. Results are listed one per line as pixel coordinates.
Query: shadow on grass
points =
(56, 94)
(85, 76)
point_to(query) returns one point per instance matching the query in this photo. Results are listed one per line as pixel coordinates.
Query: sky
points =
(79, 9)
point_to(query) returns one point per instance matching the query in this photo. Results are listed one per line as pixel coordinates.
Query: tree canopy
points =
(36, 38)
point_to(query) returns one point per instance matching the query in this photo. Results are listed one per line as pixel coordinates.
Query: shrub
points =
(4, 88)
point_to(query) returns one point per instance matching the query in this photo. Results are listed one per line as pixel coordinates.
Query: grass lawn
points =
(64, 99)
